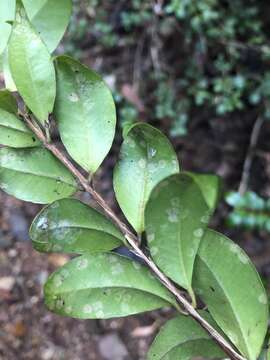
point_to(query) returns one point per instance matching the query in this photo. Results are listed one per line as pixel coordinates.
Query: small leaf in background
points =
(34, 175)
(210, 187)
(85, 113)
(31, 67)
(14, 133)
(70, 226)
(50, 19)
(7, 13)
(146, 158)
(182, 338)
(102, 286)
(8, 102)
(230, 286)
(176, 217)
(9, 83)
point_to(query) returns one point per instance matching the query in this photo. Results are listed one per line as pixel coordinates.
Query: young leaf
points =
(182, 338)
(85, 113)
(70, 226)
(176, 217)
(230, 286)
(8, 102)
(146, 158)
(14, 133)
(31, 66)
(210, 188)
(34, 175)
(7, 13)
(50, 19)
(102, 286)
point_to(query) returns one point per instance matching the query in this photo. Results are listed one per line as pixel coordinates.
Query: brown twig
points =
(132, 240)
(250, 155)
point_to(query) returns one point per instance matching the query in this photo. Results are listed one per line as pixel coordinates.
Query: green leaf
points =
(31, 67)
(9, 83)
(7, 13)
(8, 102)
(14, 133)
(230, 286)
(102, 286)
(176, 217)
(70, 226)
(183, 339)
(210, 187)
(146, 158)
(85, 113)
(50, 19)
(34, 175)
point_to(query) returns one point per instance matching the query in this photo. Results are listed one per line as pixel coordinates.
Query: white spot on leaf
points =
(73, 97)
(263, 299)
(82, 264)
(142, 163)
(198, 232)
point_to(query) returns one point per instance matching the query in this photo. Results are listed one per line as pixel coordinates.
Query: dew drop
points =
(82, 264)
(87, 309)
(73, 97)
(198, 232)
(262, 299)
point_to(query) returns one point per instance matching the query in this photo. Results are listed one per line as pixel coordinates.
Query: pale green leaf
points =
(176, 218)
(85, 113)
(70, 226)
(102, 286)
(146, 158)
(14, 133)
(7, 13)
(8, 102)
(9, 83)
(31, 67)
(50, 19)
(34, 175)
(182, 338)
(210, 187)
(230, 286)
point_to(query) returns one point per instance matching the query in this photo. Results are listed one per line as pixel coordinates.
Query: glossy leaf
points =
(85, 113)
(34, 175)
(70, 226)
(182, 338)
(8, 102)
(14, 133)
(7, 13)
(176, 217)
(31, 67)
(210, 187)
(230, 286)
(146, 158)
(50, 19)
(102, 286)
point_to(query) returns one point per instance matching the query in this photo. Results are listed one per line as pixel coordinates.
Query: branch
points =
(250, 155)
(132, 240)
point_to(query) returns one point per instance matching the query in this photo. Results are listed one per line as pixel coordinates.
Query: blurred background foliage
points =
(181, 59)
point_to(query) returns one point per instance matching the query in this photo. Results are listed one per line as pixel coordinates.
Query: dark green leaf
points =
(31, 67)
(34, 175)
(8, 102)
(70, 226)
(176, 217)
(14, 133)
(50, 19)
(103, 286)
(85, 113)
(146, 158)
(183, 338)
(230, 286)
